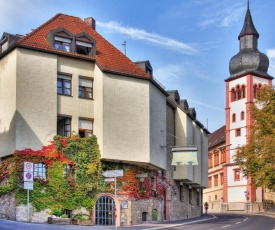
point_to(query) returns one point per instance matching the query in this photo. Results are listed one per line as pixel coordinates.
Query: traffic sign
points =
(28, 185)
(113, 173)
(109, 179)
(28, 167)
(28, 176)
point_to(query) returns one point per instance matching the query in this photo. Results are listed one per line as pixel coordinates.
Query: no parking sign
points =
(28, 167)
(28, 175)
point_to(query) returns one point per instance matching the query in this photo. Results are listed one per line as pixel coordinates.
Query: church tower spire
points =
(249, 60)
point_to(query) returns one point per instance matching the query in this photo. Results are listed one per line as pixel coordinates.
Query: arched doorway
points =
(105, 211)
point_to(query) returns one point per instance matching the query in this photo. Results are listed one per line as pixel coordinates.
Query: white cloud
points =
(169, 73)
(222, 15)
(271, 55)
(153, 38)
(207, 105)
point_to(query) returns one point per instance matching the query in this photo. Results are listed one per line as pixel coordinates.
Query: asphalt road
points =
(209, 222)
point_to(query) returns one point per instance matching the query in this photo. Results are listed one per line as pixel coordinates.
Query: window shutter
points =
(85, 83)
(84, 44)
(64, 77)
(85, 124)
(62, 39)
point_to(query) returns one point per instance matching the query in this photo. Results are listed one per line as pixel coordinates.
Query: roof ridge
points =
(38, 28)
(108, 57)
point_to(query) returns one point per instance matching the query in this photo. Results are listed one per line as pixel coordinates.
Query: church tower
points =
(248, 72)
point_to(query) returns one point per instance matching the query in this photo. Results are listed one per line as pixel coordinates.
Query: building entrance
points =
(105, 211)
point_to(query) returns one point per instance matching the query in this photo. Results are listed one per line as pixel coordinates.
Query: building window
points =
(68, 213)
(63, 44)
(85, 127)
(85, 88)
(223, 156)
(198, 198)
(216, 197)
(237, 175)
(238, 132)
(216, 158)
(190, 195)
(68, 173)
(210, 162)
(238, 93)
(209, 182)
(40, 171)
(221, 178)
(83, 48)
(233, 95)
(242, 115)
(255, 89)
(216, 180)
(181, 193)
(233, 117)
(4, 44)
(64, 85)
(64, 126)
(243, 91)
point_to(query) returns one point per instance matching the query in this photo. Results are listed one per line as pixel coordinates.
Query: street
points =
(209, 222)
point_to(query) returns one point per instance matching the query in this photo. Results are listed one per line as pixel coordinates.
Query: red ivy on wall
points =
(134, 187)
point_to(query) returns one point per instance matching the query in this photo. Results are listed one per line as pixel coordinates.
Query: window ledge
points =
(64, 95)
(86, 98)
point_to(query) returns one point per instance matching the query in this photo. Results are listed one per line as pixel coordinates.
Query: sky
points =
(189, 43)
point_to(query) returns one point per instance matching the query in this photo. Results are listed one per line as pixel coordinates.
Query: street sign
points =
(113, 173)
(109, 179)
(28, 167)
(28, 185)
(28, 176)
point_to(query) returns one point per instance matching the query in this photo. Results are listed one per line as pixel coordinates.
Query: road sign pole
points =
(28, 205)
(115, 201)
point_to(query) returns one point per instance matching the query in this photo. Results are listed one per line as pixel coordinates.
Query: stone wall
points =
(182, 207)
(7, 207)
(142, 210)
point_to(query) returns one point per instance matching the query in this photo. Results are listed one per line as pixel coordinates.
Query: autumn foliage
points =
(257, 158)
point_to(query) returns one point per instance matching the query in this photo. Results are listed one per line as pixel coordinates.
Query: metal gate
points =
(105, 211)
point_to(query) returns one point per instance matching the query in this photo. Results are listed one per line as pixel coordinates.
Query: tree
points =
(257, 158)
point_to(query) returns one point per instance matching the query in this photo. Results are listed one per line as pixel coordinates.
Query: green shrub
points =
(57, 212)
(64, 216)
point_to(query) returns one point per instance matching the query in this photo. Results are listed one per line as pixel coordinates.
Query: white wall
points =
(35, 98)
(158, 130)
(127, 127)
(7, 104)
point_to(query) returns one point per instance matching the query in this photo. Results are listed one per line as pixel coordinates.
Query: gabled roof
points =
(217, 137)
(108, 58)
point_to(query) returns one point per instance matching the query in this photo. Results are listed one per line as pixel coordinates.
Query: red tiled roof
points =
(217, 137)
(107, 56)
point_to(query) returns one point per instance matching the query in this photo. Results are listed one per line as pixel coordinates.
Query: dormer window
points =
(83, 48)
(4, 44)
(63, 44)
(64, 40)
(84, 44)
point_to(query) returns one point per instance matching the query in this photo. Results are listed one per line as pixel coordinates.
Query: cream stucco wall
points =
(127, 115)
(35, 98)
(7, 104)
(158, 146)
(73, 105)
(188, 133)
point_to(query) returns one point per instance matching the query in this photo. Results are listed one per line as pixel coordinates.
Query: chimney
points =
(90, 22)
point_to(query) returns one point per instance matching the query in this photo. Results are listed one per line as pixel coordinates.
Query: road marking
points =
(176, 225)
(226, 226)
(238, 222)
(245, 219)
